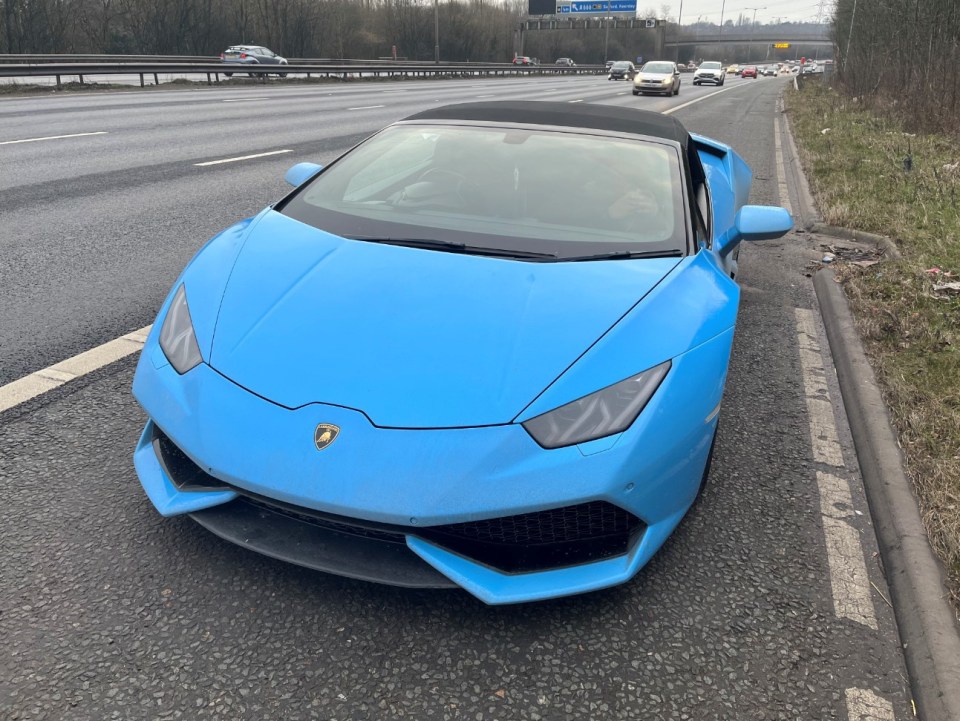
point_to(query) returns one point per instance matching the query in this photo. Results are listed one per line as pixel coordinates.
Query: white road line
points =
(865, 705)
(849, 581)
(52, 137)
(575, 101)
(782, 190)
(486, 96)
(242, 157)
(35, 384)
(243, 100)
(367, 107)
(697, 100)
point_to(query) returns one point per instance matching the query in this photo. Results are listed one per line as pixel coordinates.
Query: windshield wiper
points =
(451, 246)
(624, 255)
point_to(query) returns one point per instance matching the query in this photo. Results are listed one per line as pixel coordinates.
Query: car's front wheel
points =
(636, 92)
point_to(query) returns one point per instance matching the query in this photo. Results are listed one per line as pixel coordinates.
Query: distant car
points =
(622, 70)
(307, 401)
(733, 69)
(251, 55)
(709, 71)
(523, 60)
(568, 62)
(750, 71)
(769, 71)
(657, 76)
(608, 64)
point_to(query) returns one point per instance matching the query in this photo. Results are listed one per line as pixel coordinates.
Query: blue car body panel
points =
(510, 328)
(428, 363)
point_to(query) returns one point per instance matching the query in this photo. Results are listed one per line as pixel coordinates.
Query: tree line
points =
(470, 30)
(902, 54)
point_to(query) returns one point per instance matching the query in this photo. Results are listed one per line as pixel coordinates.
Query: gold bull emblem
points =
(324, 435)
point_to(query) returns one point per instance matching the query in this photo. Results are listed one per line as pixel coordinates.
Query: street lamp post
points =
(676, 56)
(753, 31)
(606, 35)
(723, 6)
(436, 31)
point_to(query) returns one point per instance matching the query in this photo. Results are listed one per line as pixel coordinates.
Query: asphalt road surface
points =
(109, 611)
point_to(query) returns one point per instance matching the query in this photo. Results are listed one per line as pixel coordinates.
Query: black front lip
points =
(319, 546)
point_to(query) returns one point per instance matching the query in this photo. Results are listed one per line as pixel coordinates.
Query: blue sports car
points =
(485, 348)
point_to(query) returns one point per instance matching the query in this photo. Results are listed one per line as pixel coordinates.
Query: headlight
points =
(610, 410)
(667, 81)
(177, 339)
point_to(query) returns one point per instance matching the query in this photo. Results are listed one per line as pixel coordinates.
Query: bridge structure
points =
(668, 35)
(741, 38)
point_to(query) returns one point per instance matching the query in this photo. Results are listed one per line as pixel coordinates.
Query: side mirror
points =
(301, 172)
(762, 222)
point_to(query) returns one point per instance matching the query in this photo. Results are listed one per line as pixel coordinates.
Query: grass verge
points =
(867, 174)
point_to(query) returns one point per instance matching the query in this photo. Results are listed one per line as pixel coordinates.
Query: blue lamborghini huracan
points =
(485, 348)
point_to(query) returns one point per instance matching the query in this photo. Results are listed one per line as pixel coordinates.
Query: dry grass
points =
(911, 330)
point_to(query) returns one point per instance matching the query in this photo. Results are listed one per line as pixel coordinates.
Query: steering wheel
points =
(456, 184)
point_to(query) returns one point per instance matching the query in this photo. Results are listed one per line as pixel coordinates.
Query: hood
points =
(412, 338)
(654, 76)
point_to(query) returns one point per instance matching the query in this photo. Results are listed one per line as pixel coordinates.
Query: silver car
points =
(710, 71)
(251, 55)
(657, 76)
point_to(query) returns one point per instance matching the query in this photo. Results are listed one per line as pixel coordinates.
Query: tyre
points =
(677, 91)
(706, 470)
(636, 92)
(695, 82)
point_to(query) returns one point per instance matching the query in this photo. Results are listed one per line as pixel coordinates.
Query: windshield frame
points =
(685, 245)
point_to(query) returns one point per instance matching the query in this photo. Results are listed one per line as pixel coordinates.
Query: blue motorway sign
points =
(599, 7)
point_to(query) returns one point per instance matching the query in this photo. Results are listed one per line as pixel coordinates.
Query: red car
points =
(749, 72)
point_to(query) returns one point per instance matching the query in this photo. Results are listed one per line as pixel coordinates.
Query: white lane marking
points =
(242, 157)
(849, 582)
(576, 101)
(21, 390)
(621, 93)
(823, 430)
(52, 137)
(782, 190)
(486, 96)
(848, 570)
(697, 100)
(243, 100)
(367, 107)
(865, 705)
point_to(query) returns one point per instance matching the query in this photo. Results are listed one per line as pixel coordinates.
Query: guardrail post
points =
(81, 79)
(216, 77)
(156, 80)
(141, 80)
(58, 81)
(208, 79)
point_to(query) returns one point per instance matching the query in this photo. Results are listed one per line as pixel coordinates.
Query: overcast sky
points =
(768, 10)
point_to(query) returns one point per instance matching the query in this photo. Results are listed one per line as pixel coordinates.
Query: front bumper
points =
(268, 484)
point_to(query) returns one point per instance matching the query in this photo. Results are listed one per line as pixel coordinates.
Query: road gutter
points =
(929, 632)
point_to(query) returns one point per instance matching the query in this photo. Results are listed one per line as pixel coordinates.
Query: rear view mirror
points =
(762, 222)
(301, 172)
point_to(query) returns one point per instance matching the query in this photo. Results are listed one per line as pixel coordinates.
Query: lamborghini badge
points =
(325, 435)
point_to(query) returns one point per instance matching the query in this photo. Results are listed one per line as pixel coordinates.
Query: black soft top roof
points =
(580, 115)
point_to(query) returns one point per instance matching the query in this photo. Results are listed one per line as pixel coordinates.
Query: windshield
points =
(658, 68)
(621, 66)
(710, 66)
(559, 193)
